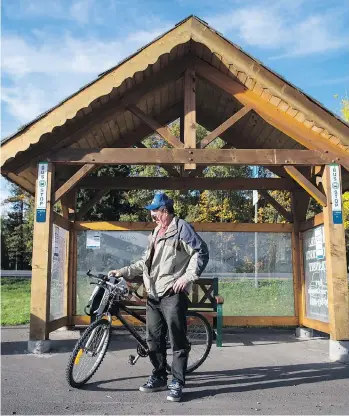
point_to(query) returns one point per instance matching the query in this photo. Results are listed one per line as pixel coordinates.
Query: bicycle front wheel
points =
(88, 353)
(199, 335)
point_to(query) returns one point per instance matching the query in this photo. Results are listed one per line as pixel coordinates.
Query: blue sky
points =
(50, 48)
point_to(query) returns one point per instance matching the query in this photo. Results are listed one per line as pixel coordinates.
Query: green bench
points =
(204, 299)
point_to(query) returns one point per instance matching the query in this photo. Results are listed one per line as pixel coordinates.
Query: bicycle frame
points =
(128, 326)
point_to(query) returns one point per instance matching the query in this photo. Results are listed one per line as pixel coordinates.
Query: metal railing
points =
(16, 273)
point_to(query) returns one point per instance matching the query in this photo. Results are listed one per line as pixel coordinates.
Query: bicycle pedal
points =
(131, 359)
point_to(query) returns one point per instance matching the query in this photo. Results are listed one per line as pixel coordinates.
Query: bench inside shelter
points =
(204, 299)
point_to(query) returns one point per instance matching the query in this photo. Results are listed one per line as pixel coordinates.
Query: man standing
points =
(175, 257)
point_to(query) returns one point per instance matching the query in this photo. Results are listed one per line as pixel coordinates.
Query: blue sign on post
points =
(41, 192)
(336, 194)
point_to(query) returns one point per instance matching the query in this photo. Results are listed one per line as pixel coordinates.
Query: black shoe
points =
(175, 393)
(154, 384)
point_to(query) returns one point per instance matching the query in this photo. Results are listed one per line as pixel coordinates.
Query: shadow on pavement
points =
(214, 383)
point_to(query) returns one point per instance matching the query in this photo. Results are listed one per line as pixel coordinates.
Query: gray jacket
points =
(180, 252)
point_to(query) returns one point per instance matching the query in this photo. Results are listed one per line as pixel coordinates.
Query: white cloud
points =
(23, 101)
(41, 71)
(81, 12)
(284, 26)
(21, 57)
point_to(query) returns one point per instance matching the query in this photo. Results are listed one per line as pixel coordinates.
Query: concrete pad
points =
(39, 347)
(304, 332)
(255, 372)
(339, 351)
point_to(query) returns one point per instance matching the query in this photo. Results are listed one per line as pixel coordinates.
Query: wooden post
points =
(219, 317)
(189, 129)
(296, 261)
(41, 263)
(336, 264)
(71, 292)
(65, 213)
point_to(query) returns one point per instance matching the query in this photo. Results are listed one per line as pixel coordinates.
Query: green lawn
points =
(15, 301)
(241, 298)
(271, 297)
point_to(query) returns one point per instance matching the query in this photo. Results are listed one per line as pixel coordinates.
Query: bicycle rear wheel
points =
(199, 334)
(88, 353)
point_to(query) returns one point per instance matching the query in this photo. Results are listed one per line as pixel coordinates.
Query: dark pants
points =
(168, 313)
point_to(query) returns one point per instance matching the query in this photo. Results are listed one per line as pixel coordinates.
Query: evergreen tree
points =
(17, 230)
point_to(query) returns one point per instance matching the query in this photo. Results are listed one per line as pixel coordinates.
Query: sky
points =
(51, 48)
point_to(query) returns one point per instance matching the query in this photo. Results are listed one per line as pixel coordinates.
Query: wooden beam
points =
(336, 264)
(65, 207)
(286, 214)
(41, 266)
(169, 169)
(57, 323)
(61, 221)
(306, 185)
(71, 183)
(317, 325)
(71, 199)
(224, 126)
(200, 169)
(201, 226)
(282, 121)
(20, 181)
(312, 222)
(268, 321)
(117, 156)
(85, 209)
(189, 117)
(64, 136)
(163, 131)
(187, 183)
(233, 141)
(135, 137)
(302, 200)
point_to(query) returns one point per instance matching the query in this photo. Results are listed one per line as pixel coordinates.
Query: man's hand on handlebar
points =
(114, 273)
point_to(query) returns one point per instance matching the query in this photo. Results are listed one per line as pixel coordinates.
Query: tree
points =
(113, 204)
(17, 230)
(194, 205)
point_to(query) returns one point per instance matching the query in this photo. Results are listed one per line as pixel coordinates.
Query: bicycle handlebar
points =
(105, 278)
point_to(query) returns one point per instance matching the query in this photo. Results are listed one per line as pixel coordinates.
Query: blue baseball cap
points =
(160, 200)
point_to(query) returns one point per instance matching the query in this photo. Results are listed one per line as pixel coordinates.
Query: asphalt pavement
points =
(255, 372)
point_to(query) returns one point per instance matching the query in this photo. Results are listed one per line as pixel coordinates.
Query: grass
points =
(241, 298)
(271, 297)
(15, 301)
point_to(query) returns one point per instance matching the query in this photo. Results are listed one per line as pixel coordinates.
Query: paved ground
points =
(256, 372)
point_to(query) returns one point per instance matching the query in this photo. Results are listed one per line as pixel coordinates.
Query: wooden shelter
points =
(193, 73)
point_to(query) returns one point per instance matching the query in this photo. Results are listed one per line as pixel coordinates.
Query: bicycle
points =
(93, 344)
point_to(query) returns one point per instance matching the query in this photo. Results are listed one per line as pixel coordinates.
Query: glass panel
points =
(58, 267)
(114, 250)
(255, 269)
(255, 272)
(316, 297)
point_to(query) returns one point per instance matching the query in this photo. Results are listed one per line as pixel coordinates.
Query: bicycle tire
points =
(202, 322)
(78, 351)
